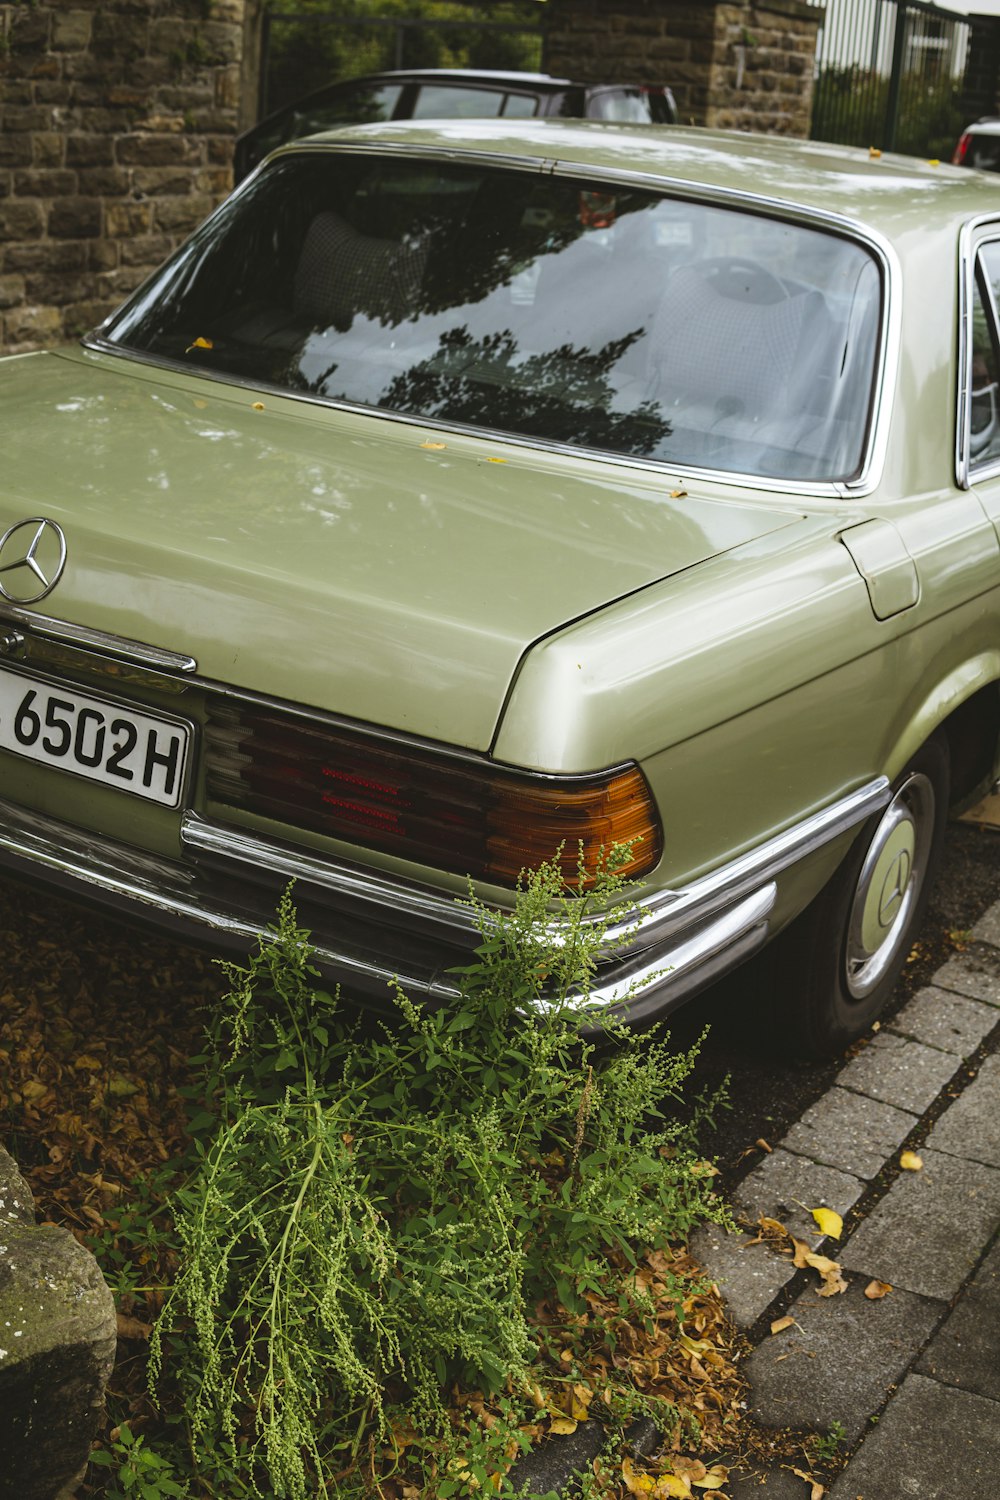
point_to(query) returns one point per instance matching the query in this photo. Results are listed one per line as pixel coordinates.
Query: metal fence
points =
(303, 51)
(892, 74)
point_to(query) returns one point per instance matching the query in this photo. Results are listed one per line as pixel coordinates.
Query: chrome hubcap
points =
(889, 885)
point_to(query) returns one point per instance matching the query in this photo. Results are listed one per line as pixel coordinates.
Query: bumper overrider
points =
(370, 930)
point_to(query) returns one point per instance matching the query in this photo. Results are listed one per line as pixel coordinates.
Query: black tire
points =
(834, 968)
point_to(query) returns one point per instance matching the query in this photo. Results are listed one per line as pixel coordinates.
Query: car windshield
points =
(558, 309)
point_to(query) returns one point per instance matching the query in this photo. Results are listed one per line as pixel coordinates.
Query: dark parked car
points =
(451, 93)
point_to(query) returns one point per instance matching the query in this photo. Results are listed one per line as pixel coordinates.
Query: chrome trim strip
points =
(651, 921)
(120, 647)
(677, 943)
(100, 865)
(223, 843)
(662, 915)
(968, 249)
(876, 444)
(663, 982)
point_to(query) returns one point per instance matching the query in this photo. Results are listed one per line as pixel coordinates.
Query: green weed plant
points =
(377, 1208)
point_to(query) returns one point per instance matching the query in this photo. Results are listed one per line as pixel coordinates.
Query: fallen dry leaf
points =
(780, 1324)
(910, 1161)
(816, 1490)
(829, 1222)
(132, 1328)
(562, 1426)
(760, 1141)
(876, 1289)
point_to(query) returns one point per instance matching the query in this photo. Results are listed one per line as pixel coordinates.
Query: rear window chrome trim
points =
(870, 470)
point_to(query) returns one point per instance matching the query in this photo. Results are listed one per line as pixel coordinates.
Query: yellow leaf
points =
(911, 1162)
(780, 1324)
(562, 1426)
(636, 1484)
(496, 460)
(677, 494)
(673, 1485)
(829, 1222)
(199, 344)
(876, 1289)
(714, 1479)
(435, 447)
(33, 1090)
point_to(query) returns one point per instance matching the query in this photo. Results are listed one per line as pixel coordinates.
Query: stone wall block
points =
(71, 30)
(21, 221)
(57, 183)
(180, 215)
(49, 148)
(146, 250)
(157, 150)
(75, 219)
(57, 1316)
(50, 255)
(29, 30)
(104, 182)
(11, 291)
(127, 219)
(88, 150)
(15, 149)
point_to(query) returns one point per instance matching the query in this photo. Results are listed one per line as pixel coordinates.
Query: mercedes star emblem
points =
(32, 558)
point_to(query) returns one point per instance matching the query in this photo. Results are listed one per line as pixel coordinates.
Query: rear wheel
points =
(835, 967)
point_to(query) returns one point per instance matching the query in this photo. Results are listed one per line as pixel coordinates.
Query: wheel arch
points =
(964, 706)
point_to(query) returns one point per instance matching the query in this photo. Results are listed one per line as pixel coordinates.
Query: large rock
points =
(57, 1348)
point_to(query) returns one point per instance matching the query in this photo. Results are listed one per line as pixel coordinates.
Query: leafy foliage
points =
(850, 106)
(309, 46)
(377, 1208)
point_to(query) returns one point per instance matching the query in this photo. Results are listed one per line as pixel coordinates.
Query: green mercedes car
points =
(462, 495)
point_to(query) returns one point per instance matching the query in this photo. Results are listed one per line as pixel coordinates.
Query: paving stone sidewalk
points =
(911, 1379)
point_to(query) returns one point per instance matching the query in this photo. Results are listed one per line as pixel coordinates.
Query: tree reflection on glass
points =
(565, 394)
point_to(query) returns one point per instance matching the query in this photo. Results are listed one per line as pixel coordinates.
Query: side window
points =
(440, 102)
(984, 395)
(521, 105)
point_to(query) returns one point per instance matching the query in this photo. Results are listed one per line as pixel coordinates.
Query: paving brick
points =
(749, 1276)
(785, 1187)
(973, 974)
(987, 929)
(964, 1351)
(850, 1132)
(928, 1232)
(899, 1071)
(932, 1442)
(953, 1023)
(839, 1360)
(971, 1126)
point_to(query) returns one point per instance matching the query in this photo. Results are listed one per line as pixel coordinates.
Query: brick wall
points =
(116, 130)
(740, 65)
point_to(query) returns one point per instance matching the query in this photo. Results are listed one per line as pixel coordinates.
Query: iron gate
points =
(301, 51)
(895, 74)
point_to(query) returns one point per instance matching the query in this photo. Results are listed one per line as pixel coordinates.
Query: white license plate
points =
(113, 743)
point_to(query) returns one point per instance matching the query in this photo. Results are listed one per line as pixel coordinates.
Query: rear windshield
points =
(547, 307)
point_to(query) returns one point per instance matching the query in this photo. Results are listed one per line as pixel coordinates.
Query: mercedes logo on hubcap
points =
(32, 558)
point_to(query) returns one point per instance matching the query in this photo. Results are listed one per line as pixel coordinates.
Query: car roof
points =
(465, 75)
(889, 192)
(986, 126)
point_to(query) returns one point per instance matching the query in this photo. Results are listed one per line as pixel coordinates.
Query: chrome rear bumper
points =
(370, 930)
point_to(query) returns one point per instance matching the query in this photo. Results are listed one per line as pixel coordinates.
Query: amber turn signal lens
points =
(581, 819)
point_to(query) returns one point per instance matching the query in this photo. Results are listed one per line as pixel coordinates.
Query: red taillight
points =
(453, 813)
(962, 149)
